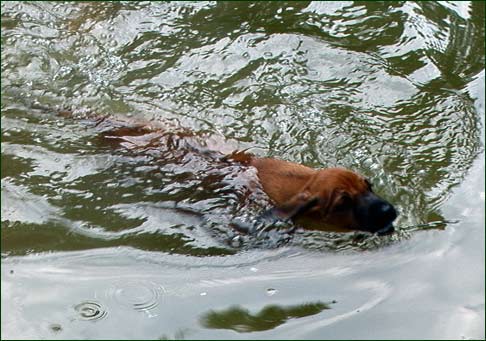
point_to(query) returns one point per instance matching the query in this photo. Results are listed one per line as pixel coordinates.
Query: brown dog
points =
(336, 198)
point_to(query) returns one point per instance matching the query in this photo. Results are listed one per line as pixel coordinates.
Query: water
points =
(100, 241)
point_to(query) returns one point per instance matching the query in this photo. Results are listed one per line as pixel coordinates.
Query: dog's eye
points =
(344, 203)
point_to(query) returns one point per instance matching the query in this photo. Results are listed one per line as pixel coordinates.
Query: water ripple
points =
(139, 295)
(376, 87)
(90, 311)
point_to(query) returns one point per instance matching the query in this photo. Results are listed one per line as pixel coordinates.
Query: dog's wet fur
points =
(331, 198)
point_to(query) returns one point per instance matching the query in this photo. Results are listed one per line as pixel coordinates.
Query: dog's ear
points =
(298, 204)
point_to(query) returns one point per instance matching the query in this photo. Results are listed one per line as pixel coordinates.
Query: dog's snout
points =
(384, 212)
(375, 214)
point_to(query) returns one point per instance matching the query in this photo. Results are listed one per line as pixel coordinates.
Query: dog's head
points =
(343, 199)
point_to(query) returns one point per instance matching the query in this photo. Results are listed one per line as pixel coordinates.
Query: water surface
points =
(100, 241)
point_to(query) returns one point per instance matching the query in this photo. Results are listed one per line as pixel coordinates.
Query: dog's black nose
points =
(387, 212)
(382, 213)
(375, 214)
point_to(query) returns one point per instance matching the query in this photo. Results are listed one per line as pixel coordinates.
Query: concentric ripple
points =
(90, 311)
(138, 295)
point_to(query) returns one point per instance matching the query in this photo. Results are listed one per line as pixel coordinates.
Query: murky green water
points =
(103, 242)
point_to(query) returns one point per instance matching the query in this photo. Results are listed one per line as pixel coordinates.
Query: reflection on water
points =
(323, 90)
(348, 85)
(271, 316)
(387, 89)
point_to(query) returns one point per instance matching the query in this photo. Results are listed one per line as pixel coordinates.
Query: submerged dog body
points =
(332, 198)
